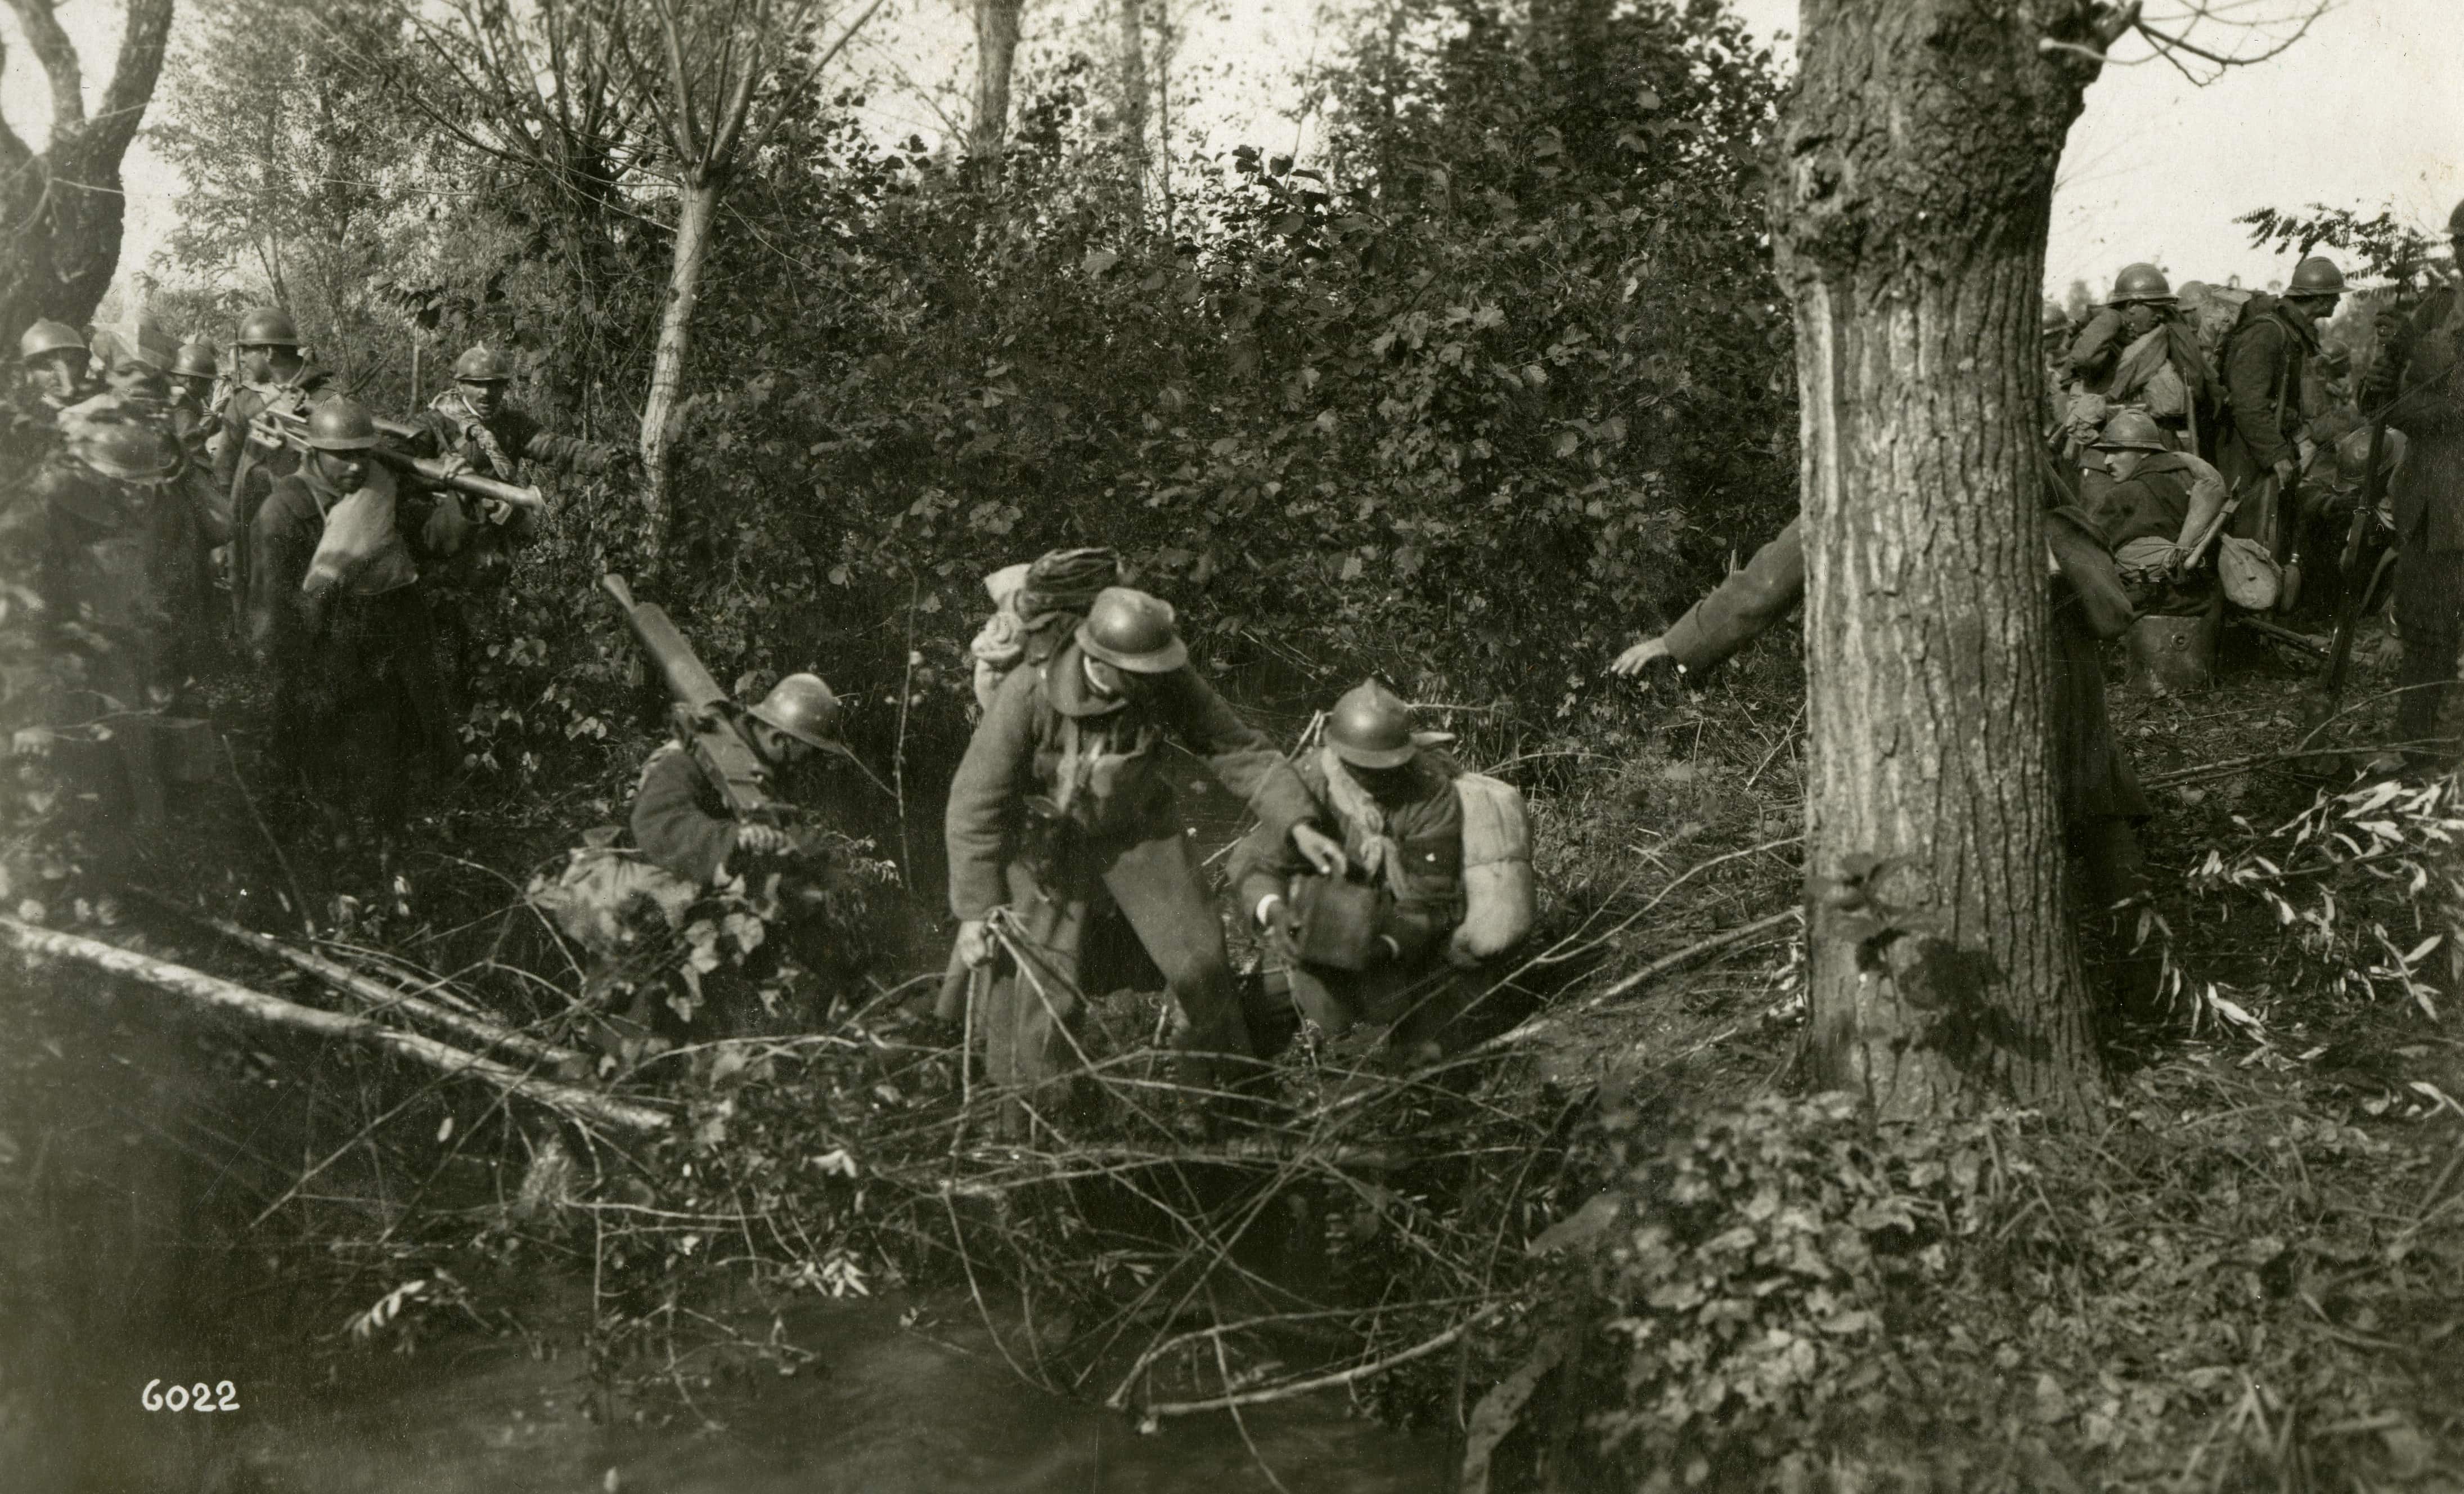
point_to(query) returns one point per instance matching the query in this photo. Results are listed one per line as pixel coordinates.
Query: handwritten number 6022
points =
(222, 1396)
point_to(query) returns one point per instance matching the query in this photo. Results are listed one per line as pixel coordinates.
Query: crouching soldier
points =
(1063, 820)
(681, 820)
(1401, 938)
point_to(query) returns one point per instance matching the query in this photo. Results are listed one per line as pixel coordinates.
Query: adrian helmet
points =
(1371, 727)
(482, 365)
(341, 425)
(1130, 629)
(2139, 282)
(802, 706)
(268, 326)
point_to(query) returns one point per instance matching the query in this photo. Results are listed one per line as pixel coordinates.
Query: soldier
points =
(194, 370)
(104, 498)
(1061, 818)
(2160, 505)
(274, 378)
(51, 378)
(476, 431)
(2101, 800)
(2137, 354)
(680, 819)
(1393, 798)
(2266, 360)
(333, 609)
(2415, 382)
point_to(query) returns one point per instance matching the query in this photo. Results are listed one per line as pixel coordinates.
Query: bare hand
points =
(1639, 658)
(1319, 849)
(761, 840)
(2286, 474)
(1460, 955)
(456, 464)
(31, 742)
(975, 944)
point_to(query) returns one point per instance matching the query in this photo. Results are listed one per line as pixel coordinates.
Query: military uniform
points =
(680, 820)
(1409, 833)
(2153, 505)
(1061, 812)
(2267, 359)
(338, 619)
(245, 472)
(2416, 380)
(2100, 797)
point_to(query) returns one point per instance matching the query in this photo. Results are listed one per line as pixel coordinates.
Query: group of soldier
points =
(200, 510)
(1371, 879)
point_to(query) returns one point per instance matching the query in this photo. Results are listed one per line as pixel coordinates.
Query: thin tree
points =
(1920, 145)
(63, 204)
(995, 59)
(1129, 34)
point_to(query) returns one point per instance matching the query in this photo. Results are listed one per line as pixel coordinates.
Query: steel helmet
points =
(196, 361)
(2132, 431)
(2456, 222)
(482, 365)
(2315, 277)
(44, 338)
(1371, 727)
(2057, 320)
(341, 425)
(2140, 282)
(268, 326)
(1130, 629)
(802, 706)
(129, 451)
(2353, 456)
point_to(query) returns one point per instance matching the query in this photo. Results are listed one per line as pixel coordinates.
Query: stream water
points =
(881, 1407)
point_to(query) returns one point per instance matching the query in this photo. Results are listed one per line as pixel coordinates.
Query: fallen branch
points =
(2284, 635)
(1325, 1382)
(213, 991)
(374, 994)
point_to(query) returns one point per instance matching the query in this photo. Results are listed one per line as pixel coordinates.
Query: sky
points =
(2364, 111)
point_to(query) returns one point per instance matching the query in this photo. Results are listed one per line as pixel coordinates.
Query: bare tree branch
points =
(53, 49)
(133, 75)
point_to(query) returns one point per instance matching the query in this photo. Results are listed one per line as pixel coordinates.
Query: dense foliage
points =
(1519, 322)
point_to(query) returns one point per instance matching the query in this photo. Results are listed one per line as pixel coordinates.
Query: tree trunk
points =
(696, 208)
(996, 52)
(64, 206)
(1922, 138)
(1132, 41)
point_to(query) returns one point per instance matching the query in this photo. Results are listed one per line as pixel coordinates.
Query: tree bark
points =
(64, 206)
(698, 206)
(1922, 138)
(1131, 32)
(995, 54)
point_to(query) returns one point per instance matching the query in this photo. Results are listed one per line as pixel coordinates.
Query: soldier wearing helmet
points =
(194, 372)
(1063, 817)
(108, 596)
(273, 378)
(2417, 382)
(1388, 793)
(680, 819)
(2138, 353)
(2266, 367)
(2158, 507)
(332, 612)
(52, 361)
(473, 424)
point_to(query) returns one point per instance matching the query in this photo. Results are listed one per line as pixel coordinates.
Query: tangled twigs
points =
(375, 996)
(214, 992)
(1325, 1382)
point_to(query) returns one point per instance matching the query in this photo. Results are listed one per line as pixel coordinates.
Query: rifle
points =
(707, 722)
(275, 428)
(2357, 587)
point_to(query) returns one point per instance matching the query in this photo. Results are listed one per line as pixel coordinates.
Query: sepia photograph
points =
(1192, 747)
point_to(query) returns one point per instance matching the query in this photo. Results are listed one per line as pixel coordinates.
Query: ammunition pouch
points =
(1339, 920)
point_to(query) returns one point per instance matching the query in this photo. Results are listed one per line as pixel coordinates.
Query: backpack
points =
(1036, 607)
(2212, 311)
